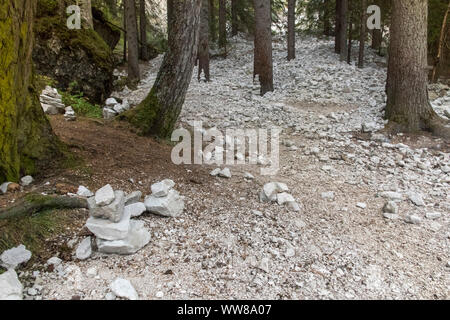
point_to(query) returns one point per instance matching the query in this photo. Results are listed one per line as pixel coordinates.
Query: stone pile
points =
(111, 223)
(165, 200)
(70, 114)
(278, 192)
(51, 101)
(113, 108)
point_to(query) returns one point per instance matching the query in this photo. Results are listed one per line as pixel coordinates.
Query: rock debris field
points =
(351, 214)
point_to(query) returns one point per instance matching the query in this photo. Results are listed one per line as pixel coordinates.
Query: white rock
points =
(110, 102)
(293, 206)
(4, 187)
(54, 261)
(123, 288)
(10, 286)
(12, 258)
(136, 209)
(112, 211)
(161, 189)
(361, 205)
(84, 249)
(390, 216)
(110, 296)
(416, 199)
(170, 206)
(433, 215)
(248, 176)
(290, 252)
(104, 196)
(137, 238)
(391, 195)
(215, 172)
(133, 197)
(390, 207)
(413, 219)
(109, 113)
(271, 190)
(264, 265)
(105, 229)
(159, 294)
(26, 181)
(92, 272)
(225, 173)
(284, 197)
(329, 195)
(84, 192)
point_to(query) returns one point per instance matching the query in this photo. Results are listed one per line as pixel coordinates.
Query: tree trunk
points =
(158, 113)
(26, 138)
(407, 106)
(203, 44)
(132, 39)
(212, 21)
(377, 38)
(362, 35)
(143, 30)
(222, 23)
(124, 33)
(291, 29)
(337, 27)
(434, 77)
(350, 32)
(86, 13)
(326, 18)
(263, 64)
(234, 18)
(343, 29)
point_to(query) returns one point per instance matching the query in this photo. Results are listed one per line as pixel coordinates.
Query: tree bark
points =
(337, 27)
(408, 108)
(343, 29)
(362, 36)
(33, 203)
(158, 113)
(377, 38)
(86, 13)
(203, 45)
(143, 30)
(132, 39)
(222, 23)
(124, 33)
(27, 141)
(326, 18)
(263, 64)
(291, 30)
(350, 32)
(212, 21)
(234, 17)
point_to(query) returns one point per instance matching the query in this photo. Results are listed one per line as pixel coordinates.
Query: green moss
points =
(81, 106)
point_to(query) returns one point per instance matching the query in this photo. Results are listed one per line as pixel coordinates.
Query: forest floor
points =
(229, 245)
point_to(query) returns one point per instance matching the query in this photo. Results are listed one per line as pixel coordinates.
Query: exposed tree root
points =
(33, 203)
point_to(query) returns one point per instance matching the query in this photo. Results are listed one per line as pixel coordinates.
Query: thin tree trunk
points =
(124, 33)
(234, 17)
(350, 32)
(143, 30)
(337, 27)
(263, 64)
(203, 44)
(326, 18)
(212, 21)
(408, 108)
(291, 30)
(377, 38)
(132, 37)
(434, 77)
(159, 111)
(343, 29)
(362, 36)
(222, 23)
(27, 141)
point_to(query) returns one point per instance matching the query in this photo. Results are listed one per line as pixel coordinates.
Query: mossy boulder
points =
(79, 59)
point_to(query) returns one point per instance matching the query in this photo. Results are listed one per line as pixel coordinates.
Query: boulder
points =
(4, 187)
(108, 230)
(84, 192)
(161, 189)
(10, 286)
(26, 181)
(284, 197)
(109, 113)
(170, 206)
(133, 197)
(225, 173)
(124, 289)
(12, 258)
(137, 238)
(270, 191)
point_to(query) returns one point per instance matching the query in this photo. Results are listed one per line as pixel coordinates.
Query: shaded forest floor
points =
(227, 244)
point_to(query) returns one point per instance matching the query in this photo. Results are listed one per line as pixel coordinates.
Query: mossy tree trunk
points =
(408, 108)
(158, 113)
(26, 137)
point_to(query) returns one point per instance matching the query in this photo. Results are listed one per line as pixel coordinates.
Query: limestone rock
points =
(137, 238)
(84, 249)
(136, 209)
(104, 196)
(112, 211)
(26, 181)
(124, 289)
(133, 197)
(10, 286)
(170, 206)
(12, 258)
(161, 189)
(84, 192)
(108, 230)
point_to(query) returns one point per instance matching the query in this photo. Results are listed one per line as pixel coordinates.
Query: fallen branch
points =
(32, 203)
